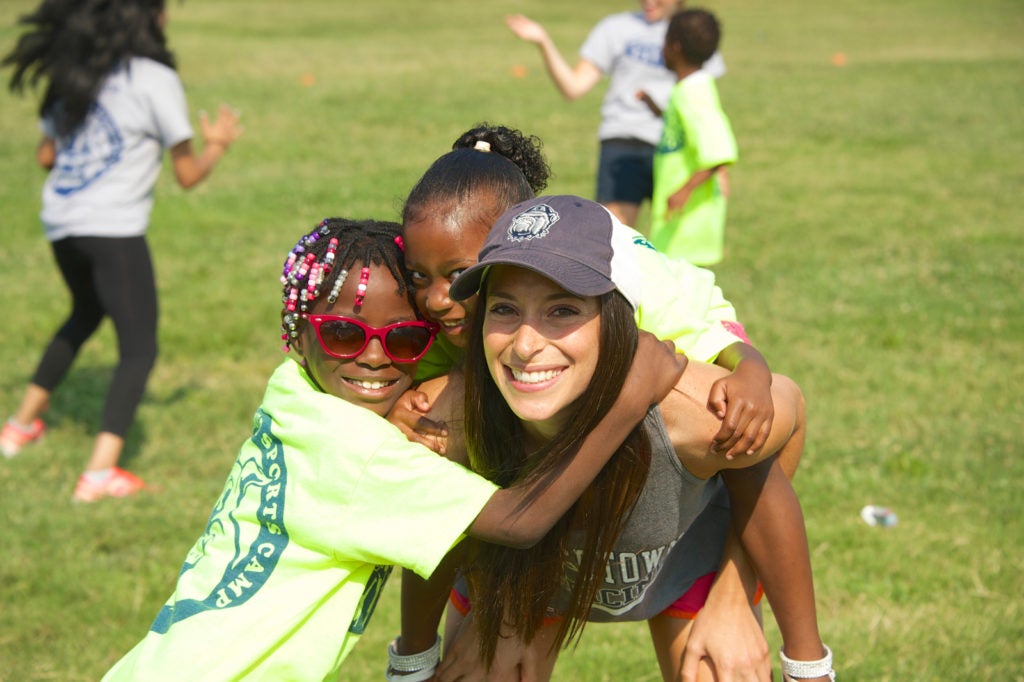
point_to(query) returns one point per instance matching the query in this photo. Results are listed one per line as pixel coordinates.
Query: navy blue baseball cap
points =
(574, 242)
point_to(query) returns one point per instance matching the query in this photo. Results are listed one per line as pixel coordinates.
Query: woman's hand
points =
(728, 636)
(513, 660)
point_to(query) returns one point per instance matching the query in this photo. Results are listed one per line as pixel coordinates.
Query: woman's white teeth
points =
(534, 377)
(457, 323)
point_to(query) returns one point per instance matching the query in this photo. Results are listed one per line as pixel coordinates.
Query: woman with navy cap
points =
(551, 339)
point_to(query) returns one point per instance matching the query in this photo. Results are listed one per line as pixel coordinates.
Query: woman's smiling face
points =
(436, 252)
(541, 343)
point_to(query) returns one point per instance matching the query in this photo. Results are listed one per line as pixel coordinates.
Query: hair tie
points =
(400, 243)
(482, 146)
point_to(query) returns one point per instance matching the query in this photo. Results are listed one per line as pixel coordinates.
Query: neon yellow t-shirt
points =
(681, 302)
(322, 500)
(697, 135)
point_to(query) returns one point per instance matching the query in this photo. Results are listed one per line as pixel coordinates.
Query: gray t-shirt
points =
(627, 49)
(102, 182)
(675, 534)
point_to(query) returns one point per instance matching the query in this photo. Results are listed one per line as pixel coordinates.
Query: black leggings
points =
(107, 276)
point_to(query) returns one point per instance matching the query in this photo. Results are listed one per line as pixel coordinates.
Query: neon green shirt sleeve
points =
(681, 302)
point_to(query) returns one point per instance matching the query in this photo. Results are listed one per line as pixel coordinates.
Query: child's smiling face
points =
(371, 379)
(436, 251)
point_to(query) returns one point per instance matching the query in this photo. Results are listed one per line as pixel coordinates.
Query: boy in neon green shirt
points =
(689, 204)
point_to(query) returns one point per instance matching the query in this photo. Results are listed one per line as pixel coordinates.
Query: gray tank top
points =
(675, 534)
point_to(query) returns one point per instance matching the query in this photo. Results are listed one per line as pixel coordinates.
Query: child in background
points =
(627, 48)
(688, 208)
(113, 103)
(446, 219)
(326, 496)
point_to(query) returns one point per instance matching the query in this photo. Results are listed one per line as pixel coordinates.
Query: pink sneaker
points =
(14, 437)
(120, 483)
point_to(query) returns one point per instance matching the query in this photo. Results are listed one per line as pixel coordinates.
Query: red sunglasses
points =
(346, 338)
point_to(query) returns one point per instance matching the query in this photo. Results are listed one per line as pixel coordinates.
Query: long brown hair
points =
(514, 587)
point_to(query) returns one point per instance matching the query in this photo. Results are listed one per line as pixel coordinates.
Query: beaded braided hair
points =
(320, 262)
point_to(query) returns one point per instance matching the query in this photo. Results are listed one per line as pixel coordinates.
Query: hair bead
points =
(338, 284)
(364, 277)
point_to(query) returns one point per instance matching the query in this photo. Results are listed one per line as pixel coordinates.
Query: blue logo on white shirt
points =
(88, 153)
(647, 53)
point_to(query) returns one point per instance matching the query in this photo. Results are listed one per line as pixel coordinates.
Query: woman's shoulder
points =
(689, 422)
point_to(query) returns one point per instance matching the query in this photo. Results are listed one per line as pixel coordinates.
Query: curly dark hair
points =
(521, 149)
(74, 44)
(479, 185)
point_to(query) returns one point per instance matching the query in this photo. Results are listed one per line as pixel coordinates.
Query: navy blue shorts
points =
(625, 171)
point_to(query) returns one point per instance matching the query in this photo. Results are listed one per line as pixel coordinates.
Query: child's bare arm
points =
(771, 526)
(677, 200)
(572, 81)
(190, 168)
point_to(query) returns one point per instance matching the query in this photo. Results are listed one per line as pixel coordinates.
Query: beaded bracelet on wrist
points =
(414, 662)
(808, 669)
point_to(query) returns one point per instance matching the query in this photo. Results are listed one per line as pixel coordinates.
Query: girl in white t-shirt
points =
(112, 103)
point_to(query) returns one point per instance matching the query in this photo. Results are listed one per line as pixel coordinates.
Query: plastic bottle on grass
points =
(875, 515)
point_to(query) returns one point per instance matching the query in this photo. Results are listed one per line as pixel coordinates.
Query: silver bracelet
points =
(807, 669)
(414, 662)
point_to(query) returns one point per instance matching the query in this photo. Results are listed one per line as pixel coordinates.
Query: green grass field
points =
(875, 253)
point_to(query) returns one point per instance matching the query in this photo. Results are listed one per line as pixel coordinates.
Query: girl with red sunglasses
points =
(326, 496)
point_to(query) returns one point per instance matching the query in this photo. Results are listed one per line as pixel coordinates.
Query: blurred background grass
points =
(874, 253)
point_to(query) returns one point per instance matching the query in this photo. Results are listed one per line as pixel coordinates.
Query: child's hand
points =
(409, 415)
(655, 371)
(224, 130)
(644, 97)
(525, 28)
(743, 401)
(677, 200)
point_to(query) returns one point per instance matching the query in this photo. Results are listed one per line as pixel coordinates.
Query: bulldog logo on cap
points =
(533, 223)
